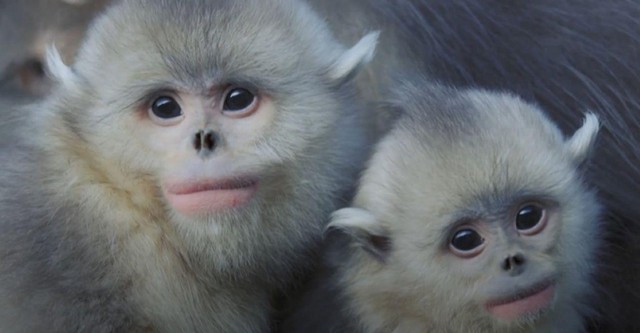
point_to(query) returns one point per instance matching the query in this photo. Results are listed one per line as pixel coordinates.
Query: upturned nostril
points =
(205, 141)
(518, 259)
(209, 141)
(512, 262)
(506, 264)
(197, 141)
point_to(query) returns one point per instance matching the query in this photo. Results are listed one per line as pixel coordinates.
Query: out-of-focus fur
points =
(566, 56)
(454, 154)
(88, 242)
(14, 105)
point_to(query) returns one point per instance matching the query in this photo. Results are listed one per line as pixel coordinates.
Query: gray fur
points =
(87, 241)
(14, 107)
(458, 154)
(567, 56)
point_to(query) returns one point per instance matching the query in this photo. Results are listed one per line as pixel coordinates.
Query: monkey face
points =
(211, 116)
(215, 164)
(514, 260)
(477, 230)
(229, 123)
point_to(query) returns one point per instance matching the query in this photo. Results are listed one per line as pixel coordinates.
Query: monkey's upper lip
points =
(529, 300)
(208, 196)
(524, 293)
(235, 183)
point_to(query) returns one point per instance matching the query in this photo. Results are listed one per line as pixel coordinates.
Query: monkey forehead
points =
(460, 150)
(197, 39)
(445, 118)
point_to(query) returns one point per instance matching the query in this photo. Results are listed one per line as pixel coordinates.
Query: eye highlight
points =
(466, 243)
(239, 102)
(165, 111)
(531, 219)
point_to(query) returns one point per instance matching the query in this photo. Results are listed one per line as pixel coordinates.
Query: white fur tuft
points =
(56, 68)
(355, 221)
(358, 55)
(582, 141)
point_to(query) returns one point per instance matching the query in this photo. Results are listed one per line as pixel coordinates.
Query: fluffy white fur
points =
(88, 241)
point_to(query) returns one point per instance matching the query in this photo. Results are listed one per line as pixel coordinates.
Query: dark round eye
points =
(465, 240)
(165, 107)
(529, 217)
(238, 99)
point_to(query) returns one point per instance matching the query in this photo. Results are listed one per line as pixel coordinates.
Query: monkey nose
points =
(514, 264)
(205, 142)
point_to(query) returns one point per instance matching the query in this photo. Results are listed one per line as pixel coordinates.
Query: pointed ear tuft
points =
(364, 229)
(352, 60)
(56, 68)
(583, 140)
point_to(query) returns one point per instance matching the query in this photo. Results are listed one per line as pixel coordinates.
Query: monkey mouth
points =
(210, 195)
(525, 302)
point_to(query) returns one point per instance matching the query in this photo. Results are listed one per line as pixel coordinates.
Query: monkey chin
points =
(207, 196)
(524, 305)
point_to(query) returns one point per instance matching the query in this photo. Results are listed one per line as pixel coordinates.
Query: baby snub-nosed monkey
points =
(565, 56)
(472, 216)
(182, 170)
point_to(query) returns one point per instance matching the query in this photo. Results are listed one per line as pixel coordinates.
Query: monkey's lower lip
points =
(530, 301)
(208, 196)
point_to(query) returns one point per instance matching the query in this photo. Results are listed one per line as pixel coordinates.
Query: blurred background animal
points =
(27, 27)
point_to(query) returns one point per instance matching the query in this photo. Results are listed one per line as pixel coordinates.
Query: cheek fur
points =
(246, 132)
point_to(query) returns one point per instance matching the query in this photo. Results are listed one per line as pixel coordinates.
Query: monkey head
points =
(473, 217)
(233, 121)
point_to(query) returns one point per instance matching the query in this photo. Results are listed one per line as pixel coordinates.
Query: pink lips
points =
(530, 302)
(212, 195)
